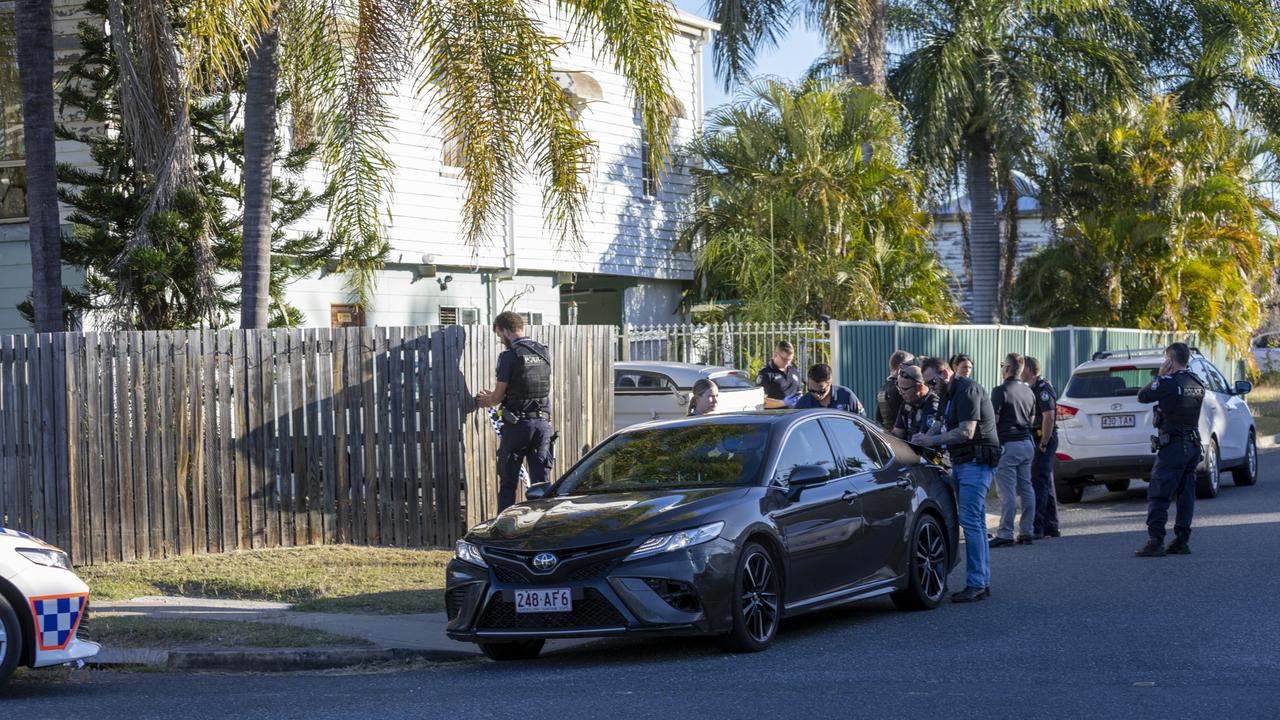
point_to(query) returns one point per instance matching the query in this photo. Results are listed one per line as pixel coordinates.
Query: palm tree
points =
(485, 70)
(34, 30)
(802, 207)
(1165, 224)
(854, 31)
(1210, 54)
(261, 88)
(981, 84)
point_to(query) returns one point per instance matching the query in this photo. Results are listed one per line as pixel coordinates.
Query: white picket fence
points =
(746, 346)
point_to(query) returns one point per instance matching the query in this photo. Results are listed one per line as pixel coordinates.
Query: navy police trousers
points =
(526, 439)
(1173, 479)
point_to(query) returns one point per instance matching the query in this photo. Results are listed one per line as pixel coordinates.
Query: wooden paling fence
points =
(130, 445)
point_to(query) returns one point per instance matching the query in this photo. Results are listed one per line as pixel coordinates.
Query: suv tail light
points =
(1061, 456)
(1066, 411)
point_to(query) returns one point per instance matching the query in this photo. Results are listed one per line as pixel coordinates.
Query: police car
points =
(42, 604)
(1104, 433)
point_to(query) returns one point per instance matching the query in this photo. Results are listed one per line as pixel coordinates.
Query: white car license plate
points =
(544, 600)
(1117, 421)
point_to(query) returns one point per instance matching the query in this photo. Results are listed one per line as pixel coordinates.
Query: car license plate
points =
(544, 600)
(1117, 421)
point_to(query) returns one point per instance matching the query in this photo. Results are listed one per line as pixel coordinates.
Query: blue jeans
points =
(974, 481)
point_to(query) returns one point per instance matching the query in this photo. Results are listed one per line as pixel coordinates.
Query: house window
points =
(13, 171)
(648, 178)
(459, 316)
(532, 318)
(346, 316)
(451, 155)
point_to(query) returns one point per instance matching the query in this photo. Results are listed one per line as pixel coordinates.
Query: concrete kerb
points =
(1268, 442)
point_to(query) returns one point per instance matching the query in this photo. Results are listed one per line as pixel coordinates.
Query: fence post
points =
(625, 341)
(833, 339)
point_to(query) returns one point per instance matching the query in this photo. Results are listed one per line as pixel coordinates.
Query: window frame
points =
(771, 475)
(20, 162)
(877, 463)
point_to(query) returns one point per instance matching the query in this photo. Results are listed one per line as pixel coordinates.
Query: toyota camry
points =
(720, 525)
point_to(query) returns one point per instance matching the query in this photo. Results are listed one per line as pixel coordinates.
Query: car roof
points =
(1119, 360)
(777, 418)
(685, 374)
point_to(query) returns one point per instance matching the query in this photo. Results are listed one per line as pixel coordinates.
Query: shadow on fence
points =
(130, 445)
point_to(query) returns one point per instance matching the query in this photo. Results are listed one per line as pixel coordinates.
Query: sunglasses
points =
(933, 383)
(912, 386)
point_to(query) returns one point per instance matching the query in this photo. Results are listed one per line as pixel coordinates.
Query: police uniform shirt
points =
(780, 384)
(967, 400)
(842, 398)
(1046, 402)
(1179, 397)
(512, 361)
(1014, 404)
(889, 403)
(917, 418)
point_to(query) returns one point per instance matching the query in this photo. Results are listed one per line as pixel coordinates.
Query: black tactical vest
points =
(531, 379)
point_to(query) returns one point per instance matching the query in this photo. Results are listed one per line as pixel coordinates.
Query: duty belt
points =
(512, 416)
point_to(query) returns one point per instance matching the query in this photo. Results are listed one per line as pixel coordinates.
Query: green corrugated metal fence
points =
(861, 349)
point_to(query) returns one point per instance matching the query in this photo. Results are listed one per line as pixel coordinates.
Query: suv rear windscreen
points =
(1123, 381)
(732, 381)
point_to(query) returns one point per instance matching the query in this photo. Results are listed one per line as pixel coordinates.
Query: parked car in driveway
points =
(1104, 433)
(644, 391)
(717, 525)
(42, 605)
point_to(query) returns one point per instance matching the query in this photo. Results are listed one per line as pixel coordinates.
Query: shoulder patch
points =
(1155, 384)
(1044, 395)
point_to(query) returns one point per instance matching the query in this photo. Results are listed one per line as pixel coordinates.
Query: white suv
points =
(1104, 433)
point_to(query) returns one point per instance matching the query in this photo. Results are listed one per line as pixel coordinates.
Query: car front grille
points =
(592, 611)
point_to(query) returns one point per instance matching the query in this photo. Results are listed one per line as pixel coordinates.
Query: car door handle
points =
(849, 496)
(903, 483)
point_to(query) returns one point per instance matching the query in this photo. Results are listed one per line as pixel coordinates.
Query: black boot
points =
(1153, 548)
(971, 594)
(1179, 546)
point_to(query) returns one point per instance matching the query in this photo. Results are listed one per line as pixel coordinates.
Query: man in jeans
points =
(1014, 405)
(967, 431)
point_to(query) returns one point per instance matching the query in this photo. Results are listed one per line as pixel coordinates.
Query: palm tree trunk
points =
(259, 152)
(984, 230)
(1009, 259)
(34, 28)
(866, 63)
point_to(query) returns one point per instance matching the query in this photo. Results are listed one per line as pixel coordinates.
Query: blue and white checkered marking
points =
(58, 617)
(15, 533)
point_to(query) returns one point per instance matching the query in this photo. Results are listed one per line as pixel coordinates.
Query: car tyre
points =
(928, 568)
(1068, 493)
(1118, 485)
(513, 650)
(757, 607)
(10, 640)
(1247, 473)
(1207, 481)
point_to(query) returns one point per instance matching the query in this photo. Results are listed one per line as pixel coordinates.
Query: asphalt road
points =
(1077, 628)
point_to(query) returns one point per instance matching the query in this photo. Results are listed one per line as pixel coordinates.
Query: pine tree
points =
(108, 199)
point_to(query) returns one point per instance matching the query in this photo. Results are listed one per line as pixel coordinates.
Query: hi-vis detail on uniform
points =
(42, 604)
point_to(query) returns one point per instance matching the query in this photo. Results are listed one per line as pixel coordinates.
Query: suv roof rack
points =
(1130, 353)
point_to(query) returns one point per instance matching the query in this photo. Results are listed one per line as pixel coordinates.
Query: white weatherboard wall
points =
(1034, 233)
(624, 233)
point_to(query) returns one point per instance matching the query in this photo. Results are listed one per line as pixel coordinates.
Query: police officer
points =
(966, 429)
(825, 394)
(780, 379)
(1014, 405)
(1178, 394)
(1045, 432)
(919, 403)
(524, 390)
(889, 399)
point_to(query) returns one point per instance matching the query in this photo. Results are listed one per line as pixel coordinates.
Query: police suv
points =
(1104, 433)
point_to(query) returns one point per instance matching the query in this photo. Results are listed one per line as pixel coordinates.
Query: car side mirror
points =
(537, 491)
(807, 475)
(1243, 387)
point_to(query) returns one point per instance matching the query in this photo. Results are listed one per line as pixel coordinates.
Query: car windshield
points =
(672, 458)
(1123, 381)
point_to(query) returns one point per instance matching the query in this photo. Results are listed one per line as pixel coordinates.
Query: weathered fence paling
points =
(131, 445)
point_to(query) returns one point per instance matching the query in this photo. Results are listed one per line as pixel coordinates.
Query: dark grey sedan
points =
(719, 525)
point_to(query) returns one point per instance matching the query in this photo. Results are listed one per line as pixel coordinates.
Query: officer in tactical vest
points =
(524, 391)
(889, 398)
(1178, 394)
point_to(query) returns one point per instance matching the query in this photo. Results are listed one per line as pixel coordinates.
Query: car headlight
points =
(676, 541)
(47, 558)
(468, 552)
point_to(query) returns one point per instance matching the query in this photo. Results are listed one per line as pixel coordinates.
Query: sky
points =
(790, 59)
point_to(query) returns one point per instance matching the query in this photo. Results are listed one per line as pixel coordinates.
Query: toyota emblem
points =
(545, 562)
(1116, 406)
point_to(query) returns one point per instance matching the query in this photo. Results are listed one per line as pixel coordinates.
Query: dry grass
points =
(321, 579)
(1265, 403)
(134, 631)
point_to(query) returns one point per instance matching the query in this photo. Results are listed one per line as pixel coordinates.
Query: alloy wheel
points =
(931, 561)
(1253, 457)
(759, 597)
(1214, 473)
